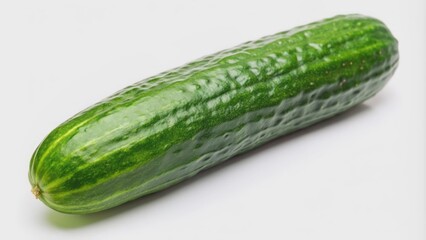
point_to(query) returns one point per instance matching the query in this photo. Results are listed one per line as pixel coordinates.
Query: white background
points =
(358, 176)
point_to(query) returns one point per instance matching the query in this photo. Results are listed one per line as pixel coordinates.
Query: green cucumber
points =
(169, 127)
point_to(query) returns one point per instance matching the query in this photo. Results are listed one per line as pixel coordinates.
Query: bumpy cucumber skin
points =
(169, 127)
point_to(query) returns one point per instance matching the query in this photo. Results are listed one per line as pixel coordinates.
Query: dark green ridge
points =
(294, 64)
(269, 91)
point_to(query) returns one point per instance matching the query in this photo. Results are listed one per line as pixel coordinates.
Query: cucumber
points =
(167, 128)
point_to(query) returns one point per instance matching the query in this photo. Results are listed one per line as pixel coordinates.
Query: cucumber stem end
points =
(36, 191)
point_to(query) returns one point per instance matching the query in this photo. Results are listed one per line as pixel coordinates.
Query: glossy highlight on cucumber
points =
(167, 128)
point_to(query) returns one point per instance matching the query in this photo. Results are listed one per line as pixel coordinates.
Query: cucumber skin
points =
(169, 127)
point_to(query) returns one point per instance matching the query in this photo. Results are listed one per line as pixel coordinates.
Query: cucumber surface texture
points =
(167, 128)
